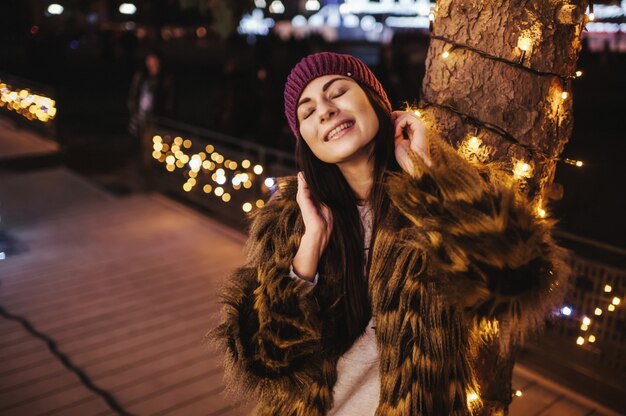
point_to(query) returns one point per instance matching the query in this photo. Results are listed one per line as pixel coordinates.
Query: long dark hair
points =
(344, 254)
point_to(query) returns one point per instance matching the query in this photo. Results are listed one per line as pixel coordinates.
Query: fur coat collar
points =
(461, 264)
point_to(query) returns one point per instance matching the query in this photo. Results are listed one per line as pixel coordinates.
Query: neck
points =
(360, 176)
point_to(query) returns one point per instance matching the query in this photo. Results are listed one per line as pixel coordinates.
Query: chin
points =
(347, 153)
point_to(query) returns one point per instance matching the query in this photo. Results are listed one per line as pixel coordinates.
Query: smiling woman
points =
(372, 275)
(334, 108)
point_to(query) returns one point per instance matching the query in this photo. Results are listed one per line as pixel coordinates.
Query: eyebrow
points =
(324, 88)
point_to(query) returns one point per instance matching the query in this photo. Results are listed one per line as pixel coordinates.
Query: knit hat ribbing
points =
(326, 63)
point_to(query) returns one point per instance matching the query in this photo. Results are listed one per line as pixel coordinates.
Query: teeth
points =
(338, 129)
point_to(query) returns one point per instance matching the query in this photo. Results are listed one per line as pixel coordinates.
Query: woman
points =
(372, 276)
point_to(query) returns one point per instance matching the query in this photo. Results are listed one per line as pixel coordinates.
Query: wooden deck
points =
(126, 288)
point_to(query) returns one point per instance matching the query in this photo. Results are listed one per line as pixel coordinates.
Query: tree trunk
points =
(529, 107)
(512, 101)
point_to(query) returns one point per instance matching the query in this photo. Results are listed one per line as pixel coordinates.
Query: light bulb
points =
(524, 43)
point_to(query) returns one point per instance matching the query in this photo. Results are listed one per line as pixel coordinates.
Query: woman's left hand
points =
(410, 133)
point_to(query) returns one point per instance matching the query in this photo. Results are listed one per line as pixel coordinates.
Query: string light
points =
(580, 341)
(579, 74)
(247, 207)
(586, 321)
(592, 16)
(445, 54)
(611, 308)
(608, 288)
(616, 301)
(473, 150)
(591, 339)
(424, 103)
(518, 393)
(524, 43)
(522, 169)
(577, 163)
(25, 103)
(487, 55)
(541, 212)
(200, 164)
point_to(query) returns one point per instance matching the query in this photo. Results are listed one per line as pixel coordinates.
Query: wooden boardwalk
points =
(126, 288)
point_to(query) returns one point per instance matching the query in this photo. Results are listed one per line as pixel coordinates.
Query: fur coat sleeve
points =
(270, 325)
(487, 251)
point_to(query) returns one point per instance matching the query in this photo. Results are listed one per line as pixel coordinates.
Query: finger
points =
(305, 185)
(409, 122)
(401, 124)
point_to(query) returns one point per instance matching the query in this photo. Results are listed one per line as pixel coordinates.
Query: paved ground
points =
(123, 290)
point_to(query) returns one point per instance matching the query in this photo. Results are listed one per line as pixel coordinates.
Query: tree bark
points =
(527, 106)
(518, 114)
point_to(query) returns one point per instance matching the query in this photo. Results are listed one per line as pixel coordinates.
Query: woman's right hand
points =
(318, 226)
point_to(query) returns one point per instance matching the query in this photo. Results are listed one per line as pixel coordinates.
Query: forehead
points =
(317, 85)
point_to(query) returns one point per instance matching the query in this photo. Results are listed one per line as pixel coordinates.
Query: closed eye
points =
(339, 94)
(342, 92)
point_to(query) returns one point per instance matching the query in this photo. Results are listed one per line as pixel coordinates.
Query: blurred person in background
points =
(151, 94)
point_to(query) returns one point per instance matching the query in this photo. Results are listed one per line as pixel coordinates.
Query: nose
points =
(327, 111)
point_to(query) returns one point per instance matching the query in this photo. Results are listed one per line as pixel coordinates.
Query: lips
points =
(338, 129)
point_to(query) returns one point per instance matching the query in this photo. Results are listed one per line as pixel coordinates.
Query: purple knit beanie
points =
(326, 63)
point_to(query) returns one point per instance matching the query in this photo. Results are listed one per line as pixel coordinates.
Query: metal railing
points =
(593, 317)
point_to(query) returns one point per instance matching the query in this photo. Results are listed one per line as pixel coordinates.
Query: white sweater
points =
(357, 390)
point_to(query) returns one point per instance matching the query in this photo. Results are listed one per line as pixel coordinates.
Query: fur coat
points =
(461, 264)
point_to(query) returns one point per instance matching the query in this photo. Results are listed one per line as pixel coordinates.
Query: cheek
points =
(370, 120)
(307, 132)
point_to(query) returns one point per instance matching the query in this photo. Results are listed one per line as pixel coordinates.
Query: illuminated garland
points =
(523, 44)
(425, 103)
(210, 166)
(27, 104)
